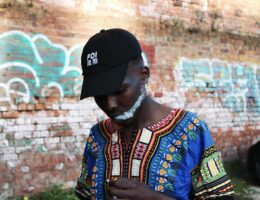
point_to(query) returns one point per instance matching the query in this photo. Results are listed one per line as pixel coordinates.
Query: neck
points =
(149, 113)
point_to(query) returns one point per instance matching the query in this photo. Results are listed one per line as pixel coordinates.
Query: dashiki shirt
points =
(176, 156)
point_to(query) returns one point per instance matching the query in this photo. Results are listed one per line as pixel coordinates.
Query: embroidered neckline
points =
(130, 162)
(161, 124)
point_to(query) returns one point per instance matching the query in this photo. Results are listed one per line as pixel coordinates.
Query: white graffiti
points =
(25, 96)
(22, 65)
(68, 67)
(53, 84)
(24, 59)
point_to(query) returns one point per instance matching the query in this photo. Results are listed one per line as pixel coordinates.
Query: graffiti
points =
(67, 3)
(236, 85)
(31, 66)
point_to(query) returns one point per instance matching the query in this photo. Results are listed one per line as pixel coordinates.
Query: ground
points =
(246, 187)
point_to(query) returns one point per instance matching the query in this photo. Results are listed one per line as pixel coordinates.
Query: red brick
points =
(39, 106)
(63, 133)
(22, 106)
(61, 158)
(177, 3)
(3, 168)
(30, 107)
(229, 35)
(158, 94)
(55, 159)
(10, 114)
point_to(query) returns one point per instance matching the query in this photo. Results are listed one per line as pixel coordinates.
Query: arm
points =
(228, 197)
(209, 178)
(83, 187)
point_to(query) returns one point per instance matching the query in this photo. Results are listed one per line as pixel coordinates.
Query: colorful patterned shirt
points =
(176, 156)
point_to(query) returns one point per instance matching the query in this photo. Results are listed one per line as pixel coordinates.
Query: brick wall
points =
(203, 56)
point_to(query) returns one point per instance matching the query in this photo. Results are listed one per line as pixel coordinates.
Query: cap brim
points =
(105, 82)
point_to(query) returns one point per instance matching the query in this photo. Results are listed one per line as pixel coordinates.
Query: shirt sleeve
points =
(83, 186)
(209, 178)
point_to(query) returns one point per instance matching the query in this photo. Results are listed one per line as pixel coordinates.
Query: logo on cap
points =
(92, 59)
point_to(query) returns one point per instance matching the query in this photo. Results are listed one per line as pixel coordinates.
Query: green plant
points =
(56, 192)
(240, 178)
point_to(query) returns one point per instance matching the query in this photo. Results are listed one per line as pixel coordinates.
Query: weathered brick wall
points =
(203, 56)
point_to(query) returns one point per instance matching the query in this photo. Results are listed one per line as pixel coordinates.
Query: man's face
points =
(123, 104)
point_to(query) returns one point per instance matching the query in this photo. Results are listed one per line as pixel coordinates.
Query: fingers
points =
(119, 194)
(114, 197)
(127, 189)
(123, 183)
(120, 189)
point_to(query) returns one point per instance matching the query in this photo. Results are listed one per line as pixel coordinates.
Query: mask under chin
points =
(130, 113)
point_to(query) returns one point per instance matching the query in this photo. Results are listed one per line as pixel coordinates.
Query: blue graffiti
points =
(236, 85)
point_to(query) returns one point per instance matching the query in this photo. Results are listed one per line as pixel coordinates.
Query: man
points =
(144, 150)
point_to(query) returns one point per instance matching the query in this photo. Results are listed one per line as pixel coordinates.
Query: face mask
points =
(130, 113)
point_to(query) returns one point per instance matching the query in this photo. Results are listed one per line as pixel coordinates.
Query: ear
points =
(145, 74)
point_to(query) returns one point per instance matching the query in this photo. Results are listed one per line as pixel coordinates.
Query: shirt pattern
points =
(176, 156)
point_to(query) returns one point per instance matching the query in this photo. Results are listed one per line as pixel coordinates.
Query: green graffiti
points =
(236, 85)
(31, 65)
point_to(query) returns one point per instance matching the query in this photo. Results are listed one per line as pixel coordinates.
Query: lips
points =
(114, 114)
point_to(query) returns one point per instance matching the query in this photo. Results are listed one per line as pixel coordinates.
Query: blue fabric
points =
(174, 166)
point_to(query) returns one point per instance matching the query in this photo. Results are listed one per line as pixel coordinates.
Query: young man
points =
(144, 150)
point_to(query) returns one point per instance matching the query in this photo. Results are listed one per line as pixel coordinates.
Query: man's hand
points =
(125, 189)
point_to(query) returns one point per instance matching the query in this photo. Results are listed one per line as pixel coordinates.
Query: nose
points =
(111, 102)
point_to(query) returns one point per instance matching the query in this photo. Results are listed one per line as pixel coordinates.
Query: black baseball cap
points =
(105, 60)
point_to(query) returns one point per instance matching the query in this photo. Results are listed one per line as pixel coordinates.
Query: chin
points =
(122, 122)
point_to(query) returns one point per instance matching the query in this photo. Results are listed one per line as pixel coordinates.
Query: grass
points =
(57, 192)
(236, 169)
